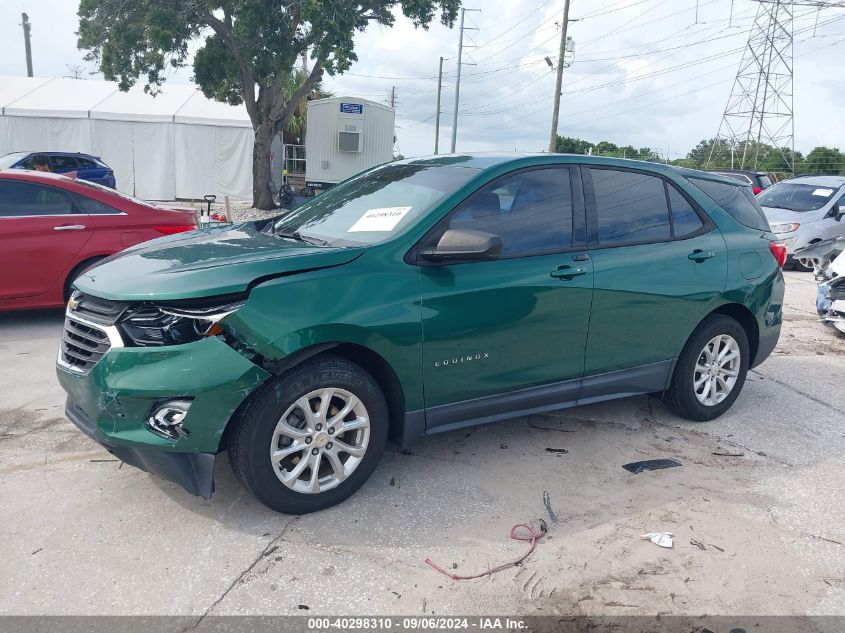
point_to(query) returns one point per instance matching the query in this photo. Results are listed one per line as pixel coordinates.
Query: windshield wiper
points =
(776, 206)
(299, 237)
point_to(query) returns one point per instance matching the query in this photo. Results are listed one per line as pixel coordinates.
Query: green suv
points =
(420, 296)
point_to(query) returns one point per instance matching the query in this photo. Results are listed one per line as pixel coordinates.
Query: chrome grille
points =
(84, 343)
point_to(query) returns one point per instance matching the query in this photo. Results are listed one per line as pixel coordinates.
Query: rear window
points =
(736, 200)
(765, 181)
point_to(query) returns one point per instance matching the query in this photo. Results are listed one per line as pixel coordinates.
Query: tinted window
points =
(87, 163)
(22, 198)
(765, 181)
(62, 163)
(631, 207)
(738, 201)
(684, 218)
(530, 211)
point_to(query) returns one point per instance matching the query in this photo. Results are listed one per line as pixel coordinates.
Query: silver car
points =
(802, 211)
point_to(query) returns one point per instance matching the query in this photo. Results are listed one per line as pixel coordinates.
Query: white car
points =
(803, 211)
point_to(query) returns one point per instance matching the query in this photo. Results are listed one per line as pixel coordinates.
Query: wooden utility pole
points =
(437, 109)
(559, 82)
(27, 28)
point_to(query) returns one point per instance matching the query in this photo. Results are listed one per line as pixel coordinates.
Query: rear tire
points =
(708, 377)
(311, 470)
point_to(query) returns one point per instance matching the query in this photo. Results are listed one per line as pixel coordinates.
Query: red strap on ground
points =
(529, 534)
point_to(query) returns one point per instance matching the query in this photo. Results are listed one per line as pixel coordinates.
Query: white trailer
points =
(346, 136)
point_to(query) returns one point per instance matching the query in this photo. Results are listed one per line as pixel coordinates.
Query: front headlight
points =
(784, 228)
(151, 324)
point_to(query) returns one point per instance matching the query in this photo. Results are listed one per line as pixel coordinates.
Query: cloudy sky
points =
(645, 72)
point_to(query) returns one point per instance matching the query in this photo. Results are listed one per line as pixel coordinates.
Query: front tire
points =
(710, 371)
(310, 438)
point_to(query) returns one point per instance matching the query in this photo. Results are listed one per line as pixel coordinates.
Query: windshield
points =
(10, 159)
(375, 205)
(796, 197)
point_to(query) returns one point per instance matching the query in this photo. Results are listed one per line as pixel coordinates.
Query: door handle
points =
(699, 256)
(567, 272)
(69, 227)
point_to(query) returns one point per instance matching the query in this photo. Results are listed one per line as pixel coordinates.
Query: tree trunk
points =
(262, 193)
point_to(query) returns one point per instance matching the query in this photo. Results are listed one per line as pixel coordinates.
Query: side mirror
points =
(464, 244)
(839, 212)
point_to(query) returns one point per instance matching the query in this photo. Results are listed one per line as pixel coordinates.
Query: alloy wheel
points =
(320, 440)
(716, 370)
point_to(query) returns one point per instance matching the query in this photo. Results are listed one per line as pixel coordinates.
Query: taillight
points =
(756, 190)
(170, 229)
(778, 250)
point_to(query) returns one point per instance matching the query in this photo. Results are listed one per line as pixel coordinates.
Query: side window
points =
(63, 163)
(86, 163)
(531, 211)
(23, 198)
(738, 201)
(684, 218)
(631, 207)
(95, 207)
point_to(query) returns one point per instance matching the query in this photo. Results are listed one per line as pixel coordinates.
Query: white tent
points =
(177, 144)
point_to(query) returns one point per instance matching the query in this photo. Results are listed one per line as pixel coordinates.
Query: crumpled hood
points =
(204, 263)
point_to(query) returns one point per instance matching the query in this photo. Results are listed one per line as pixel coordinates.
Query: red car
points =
(52, 228)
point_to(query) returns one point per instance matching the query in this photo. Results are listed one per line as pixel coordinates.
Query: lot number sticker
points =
(824, 193)
(384, 219)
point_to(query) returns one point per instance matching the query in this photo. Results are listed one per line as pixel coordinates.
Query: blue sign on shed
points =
(352, 108)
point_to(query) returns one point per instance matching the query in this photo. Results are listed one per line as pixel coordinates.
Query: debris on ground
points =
(527, 534)
(547, 501)
(663, 539)
(650, 464)
(698, 544)
(557, 451)
(724, 452)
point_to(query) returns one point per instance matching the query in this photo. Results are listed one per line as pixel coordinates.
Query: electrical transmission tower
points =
(759, 113)
(759, 110)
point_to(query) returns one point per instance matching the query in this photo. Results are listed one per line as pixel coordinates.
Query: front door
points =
(40, 235)
(659, 264)
(514, 322)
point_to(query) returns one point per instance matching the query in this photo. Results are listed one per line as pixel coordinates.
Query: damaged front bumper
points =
(115, 400)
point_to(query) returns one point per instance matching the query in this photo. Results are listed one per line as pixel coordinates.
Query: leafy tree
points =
(570, 145)
(824, 160)
(247, 53)
(294, 130)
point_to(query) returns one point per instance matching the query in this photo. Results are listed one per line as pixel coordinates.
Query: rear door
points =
(515, 321)
(659, 263)
(41, 232)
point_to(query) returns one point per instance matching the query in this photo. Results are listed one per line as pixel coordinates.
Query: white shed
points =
(344, 137)
(175, 145)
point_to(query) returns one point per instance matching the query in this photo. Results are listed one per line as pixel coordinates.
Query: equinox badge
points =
(456, 360)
